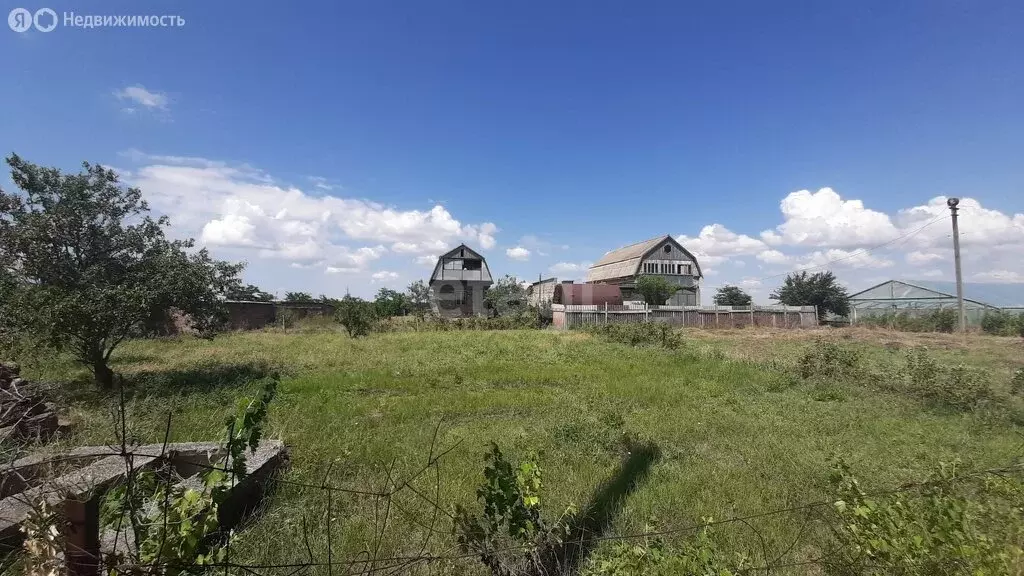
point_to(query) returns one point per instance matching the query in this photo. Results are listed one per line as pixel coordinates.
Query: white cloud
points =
(716, 240)
(999, 276)
(384, 275)
(919, 258)
(427, 260)
(518, 253)
(846, 258)
(240, 207)
(824, 219)
(138, 95)
(772, 256)
(564, 267)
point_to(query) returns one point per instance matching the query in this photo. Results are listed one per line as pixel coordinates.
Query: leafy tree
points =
(84, 265)
(355, 314)
(298, 297)
(732, 296)
(820, 289)
(390, 303)
(655, 290)
(506, 297)
(418, 295)
(250, 293)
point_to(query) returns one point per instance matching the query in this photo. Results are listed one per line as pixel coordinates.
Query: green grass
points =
(735, 437)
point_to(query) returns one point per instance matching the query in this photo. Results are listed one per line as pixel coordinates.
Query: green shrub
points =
(959, 387)
(356, 315)
(1017, 382)
(999, 323)
(939, 320)
(825, 359)
(950, 524)
(641, 334)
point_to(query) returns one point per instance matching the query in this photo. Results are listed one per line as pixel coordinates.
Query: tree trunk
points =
(103, 374)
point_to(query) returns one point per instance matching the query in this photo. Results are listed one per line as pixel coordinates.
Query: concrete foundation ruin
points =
(74, 483)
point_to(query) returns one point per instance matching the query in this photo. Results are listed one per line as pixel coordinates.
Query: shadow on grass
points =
(591, 522)
(194, 379)
(197, 379)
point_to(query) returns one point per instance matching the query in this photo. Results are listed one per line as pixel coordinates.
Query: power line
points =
(905, 236)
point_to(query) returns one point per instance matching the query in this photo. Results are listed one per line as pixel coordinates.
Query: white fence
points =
(573, 315)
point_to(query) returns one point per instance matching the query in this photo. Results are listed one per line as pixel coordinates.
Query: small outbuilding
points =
(459, 282)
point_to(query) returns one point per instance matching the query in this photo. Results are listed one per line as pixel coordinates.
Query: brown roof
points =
(624, 262)
(629, 252)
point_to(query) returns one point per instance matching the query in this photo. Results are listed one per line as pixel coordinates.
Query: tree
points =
(390, 303)
(418, 295)
(250, 293)
(820, 289)
(355, 314)
(506, 297)
(85, 266)
(298, 297)
(732, 296)
(655, 290)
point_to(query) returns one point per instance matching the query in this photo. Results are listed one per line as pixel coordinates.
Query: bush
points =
(943, 320)
(356, 315)
(829, 360)
(951, 524)
(643, 334)
(999, 323)
(1017, 382)
(958, 387)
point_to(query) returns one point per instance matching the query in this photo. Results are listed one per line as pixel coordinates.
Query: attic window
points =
(668, 248)
(471, 264)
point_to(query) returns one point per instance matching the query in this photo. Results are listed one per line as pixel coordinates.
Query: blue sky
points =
(341, 145)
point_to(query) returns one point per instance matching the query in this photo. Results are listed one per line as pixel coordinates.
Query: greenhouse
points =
(915, 297)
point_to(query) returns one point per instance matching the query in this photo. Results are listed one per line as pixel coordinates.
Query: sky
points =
(341, 146)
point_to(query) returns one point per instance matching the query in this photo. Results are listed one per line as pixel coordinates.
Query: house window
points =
(668, 249)
(685, 269)
(449, 298)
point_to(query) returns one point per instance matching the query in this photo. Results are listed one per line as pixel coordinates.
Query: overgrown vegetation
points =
(639, 334)
(738, 437)
(652, 556)
(938, 320)
(355, 314)
(1001, 323)
(508, 536)
(949, 524)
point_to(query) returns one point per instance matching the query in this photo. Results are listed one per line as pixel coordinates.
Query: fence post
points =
(647, 312)
(606, 313)
(751, 315)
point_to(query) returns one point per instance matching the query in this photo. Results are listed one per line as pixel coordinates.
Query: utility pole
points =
(952, 203)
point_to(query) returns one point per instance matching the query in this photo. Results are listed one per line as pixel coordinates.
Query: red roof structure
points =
(593, 294)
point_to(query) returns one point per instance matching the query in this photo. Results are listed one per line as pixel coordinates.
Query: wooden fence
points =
(574, 315)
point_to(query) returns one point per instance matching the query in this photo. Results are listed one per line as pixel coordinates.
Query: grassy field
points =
(736, 433)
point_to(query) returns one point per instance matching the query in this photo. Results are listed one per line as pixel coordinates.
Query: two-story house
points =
(661, 256)
(457, 286)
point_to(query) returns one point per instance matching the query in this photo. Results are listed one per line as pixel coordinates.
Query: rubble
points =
(25, 414)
